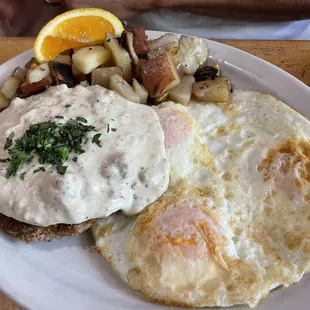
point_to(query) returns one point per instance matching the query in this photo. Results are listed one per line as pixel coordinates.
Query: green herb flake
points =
(113, 129)
(52, 143)
(39, 169)
(81, 119)
(22, 176)
(5, 160)
(75, 159)
(68, 105)
(108, 127)
(96, 139)
(59, 117)
(9, 141)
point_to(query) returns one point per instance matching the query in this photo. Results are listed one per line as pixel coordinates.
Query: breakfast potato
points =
(118, 84)
(183, 92)
(140, 90)
(213, 91)
(140, 41)
(4, 101)
(101, 76)
(10, 87)
(120, 56)
(88, 58)
(27, 90)
(159, 75)
(166, 39)
(38, 73)
(19, 74)
(32, 63)
(193, 53)
(77, 75)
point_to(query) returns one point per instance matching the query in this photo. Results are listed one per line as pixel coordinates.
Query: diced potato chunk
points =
(183, 92)
(140, 90)
(120, 56)
(88, 58)
(118, 84)
(213, 91)
(101, 76)
(10, 87)
(4, 101)
(159, 75)
(19, 73)
(161, 41)
(38, 73)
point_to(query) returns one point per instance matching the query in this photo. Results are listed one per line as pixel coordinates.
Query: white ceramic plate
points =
(68, 274)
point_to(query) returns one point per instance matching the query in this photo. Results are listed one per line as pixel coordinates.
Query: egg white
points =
(235, 221)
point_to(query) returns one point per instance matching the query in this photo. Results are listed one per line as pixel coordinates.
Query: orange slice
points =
(76, 28)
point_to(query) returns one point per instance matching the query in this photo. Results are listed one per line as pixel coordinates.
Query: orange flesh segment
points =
(75, 29)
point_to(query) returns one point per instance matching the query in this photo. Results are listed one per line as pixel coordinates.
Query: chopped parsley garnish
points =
(59, 117)
(96, 139)
(39, 169)
(50, 142)
(81, 119)
(68, 105)
(5, 160)
(74, 159)
(113, 129)
(108, 128)
(22, 176)
(9, 141)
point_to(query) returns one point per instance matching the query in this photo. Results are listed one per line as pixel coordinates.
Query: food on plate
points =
(76, 28)
(231, 227)
(70, 155)
(212, 187)
(215, 90)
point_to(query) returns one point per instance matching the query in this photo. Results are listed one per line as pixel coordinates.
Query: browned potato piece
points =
(10, 87)
(140, 41)
(63, 59)
(101, 76)
(159, 75)
(19, 74)
(77, 75)
(137, 69)
(34, 88)
(213, 91)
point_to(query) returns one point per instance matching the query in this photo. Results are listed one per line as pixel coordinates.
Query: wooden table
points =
(291, 56)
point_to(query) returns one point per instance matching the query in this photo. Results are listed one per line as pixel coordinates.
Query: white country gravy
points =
(127, 173)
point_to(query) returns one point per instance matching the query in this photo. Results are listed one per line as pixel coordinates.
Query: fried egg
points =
(235, 221)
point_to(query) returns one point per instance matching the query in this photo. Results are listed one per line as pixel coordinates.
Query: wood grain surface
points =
(291, 56)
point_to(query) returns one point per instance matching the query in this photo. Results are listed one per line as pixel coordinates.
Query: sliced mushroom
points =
(101, 76)
(159, 75)
(120, 56)
(183, 92)
(127, 38)
(208, 72)
(213, 91)
(140, 41)
(61, 73)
